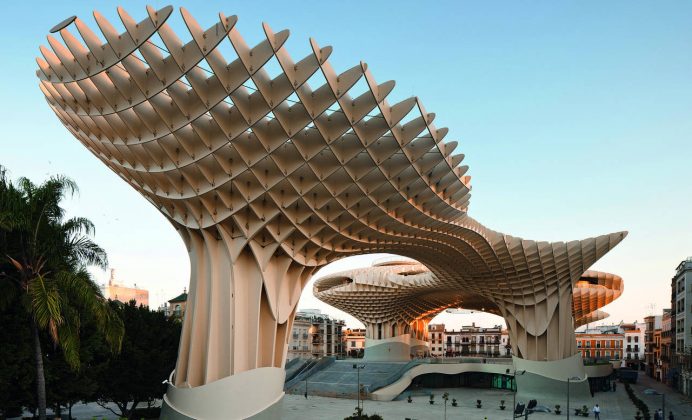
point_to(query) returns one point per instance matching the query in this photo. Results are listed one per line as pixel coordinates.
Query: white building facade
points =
(682, 328)
(470, 340)
(354, 342)
(436, 339)
(634, 344)
(315, 334)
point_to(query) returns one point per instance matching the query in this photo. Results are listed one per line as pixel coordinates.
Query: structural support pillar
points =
(541, 326)
(385, 342)
(234, 338)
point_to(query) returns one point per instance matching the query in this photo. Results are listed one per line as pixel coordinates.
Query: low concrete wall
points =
(554, 369)
(548, 379)
(598, 371)
(419, 348)
(255, 394)
(395, 349)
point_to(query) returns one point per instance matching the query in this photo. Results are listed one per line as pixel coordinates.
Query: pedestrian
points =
(614, 386)
(657, 415)
(596, 412)
(671, 416)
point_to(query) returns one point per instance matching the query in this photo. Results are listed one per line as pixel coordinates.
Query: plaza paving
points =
(614, 405)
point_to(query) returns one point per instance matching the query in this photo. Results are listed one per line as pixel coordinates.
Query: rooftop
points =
(180, 298)
(685, 265)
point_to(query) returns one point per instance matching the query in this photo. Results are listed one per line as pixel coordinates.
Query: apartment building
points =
(354, 342)
(652, 345)
(666, 353)
(634, 344)
(601, 344)
(681, 326)
(315, 334)
(436, 339)
(470, 340)
(115, 289)
(505, 344)
(683, 305)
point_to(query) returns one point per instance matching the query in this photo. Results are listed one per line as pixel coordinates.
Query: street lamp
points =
(573, 378)
(358, 367)
(514, 396)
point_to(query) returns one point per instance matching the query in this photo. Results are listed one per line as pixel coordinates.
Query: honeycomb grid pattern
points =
(389, 298)
(269, 178)
(594, 290)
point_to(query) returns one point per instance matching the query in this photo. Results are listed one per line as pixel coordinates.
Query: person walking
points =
(671, 416)
(657, 415)
(596, 412)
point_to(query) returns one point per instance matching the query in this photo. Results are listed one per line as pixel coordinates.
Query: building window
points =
(636, 339)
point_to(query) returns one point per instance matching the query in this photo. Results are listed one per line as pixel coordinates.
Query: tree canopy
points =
(43, 270)
(147, 357)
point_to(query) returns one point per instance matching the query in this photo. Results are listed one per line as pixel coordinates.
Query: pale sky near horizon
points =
(574, 116)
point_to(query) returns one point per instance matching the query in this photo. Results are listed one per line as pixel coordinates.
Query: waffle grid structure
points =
(401, 297)
(269, 176)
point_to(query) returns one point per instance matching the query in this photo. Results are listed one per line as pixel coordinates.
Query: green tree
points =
(16, 373)
(65, 386)
(44, 259)
(148, 355)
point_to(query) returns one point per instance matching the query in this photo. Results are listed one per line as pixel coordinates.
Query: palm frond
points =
(88, 252)
(78, 226)
(69, 337)
(113, 328)
(46, 306)
(86, 294)
(12, 205)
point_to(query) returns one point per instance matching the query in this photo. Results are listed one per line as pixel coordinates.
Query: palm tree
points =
(43, 260)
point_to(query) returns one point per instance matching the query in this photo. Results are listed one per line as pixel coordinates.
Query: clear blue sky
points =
(575, 117)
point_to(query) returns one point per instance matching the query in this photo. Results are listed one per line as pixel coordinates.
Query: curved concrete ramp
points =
(539, 380)
(393, 390)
